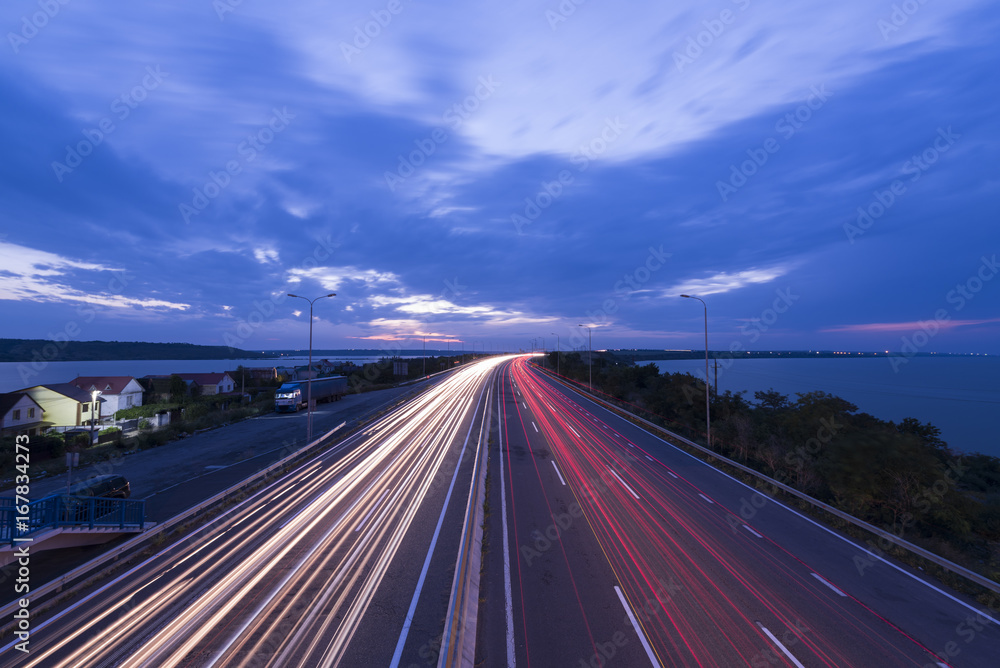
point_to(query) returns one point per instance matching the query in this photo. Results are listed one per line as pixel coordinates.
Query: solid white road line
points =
(557, 472)
(755, 533)
(827, 583)
(784, 650)
(615, 474)
(408, 622)
(508, 603)
(638, 631)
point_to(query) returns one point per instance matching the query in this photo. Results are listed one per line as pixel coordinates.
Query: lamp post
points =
(590, 354)
(557, 352)
(309, 389)
(93, 409)
(708, 417)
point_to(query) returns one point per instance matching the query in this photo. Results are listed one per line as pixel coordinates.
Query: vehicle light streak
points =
(653, 526)
(320, 542)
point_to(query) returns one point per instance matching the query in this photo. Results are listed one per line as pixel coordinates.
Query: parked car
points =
(114, 486)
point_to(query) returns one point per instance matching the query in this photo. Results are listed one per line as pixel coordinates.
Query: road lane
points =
(719, 596)
(288, 576)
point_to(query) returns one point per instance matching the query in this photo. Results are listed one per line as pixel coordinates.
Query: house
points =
(19, 415)
(211, 383)
(118, 392)
(65, 405)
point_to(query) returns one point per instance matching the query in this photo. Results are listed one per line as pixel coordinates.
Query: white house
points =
(19, 414)
(118, 392)
(211, 383)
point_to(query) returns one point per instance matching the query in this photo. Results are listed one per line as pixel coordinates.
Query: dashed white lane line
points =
(573, 430)
(672, 473)
(638, 631)
(525, 405)
(827, 583)
(557, 472)
(755, 533)
(625, 484)
(536, 428)
(784, 650)
(706, 498)
(649, 458)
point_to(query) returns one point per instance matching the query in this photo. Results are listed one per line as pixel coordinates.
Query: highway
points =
(621, 550)
(604, 546)
(345, 562)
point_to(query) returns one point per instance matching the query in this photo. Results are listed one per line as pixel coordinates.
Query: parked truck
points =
(290, 397)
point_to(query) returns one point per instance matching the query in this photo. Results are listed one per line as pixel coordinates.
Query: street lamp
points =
(93, 408)
(309, 389)
(590, 354)
(557, 352)
(708, 417)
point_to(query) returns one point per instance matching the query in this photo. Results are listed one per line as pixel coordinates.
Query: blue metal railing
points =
(62, 510)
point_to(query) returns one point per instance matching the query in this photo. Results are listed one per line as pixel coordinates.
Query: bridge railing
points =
(63, 510)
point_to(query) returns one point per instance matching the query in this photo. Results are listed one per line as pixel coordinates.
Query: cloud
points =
(28, 274)
(725, 282)
(889, 327)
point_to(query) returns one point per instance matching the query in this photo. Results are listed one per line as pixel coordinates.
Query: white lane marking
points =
(783, 649)
(672, 473)
(573, 430)
(649, 458)
(536, 428)
(525, 405)
(615, 474)
(630, 445)
(508, 601)
(638, 631)
(836, 535)
(408, 621)
(369, 514)
(827, 583)
(755, 533)
(557, 472)
(705, 497)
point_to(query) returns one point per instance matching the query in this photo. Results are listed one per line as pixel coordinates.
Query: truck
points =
(290, 397)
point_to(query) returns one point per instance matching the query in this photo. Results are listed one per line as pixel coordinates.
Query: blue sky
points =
(824, 176)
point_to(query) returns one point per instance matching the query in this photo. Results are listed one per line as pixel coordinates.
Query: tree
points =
(178, 389)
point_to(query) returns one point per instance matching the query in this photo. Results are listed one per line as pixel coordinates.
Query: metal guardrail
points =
(957, 569)
(63, 510)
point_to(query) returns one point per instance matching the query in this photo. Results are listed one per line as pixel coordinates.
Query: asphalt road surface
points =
(616, 549)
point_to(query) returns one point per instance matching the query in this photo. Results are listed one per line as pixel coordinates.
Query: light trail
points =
(728, 580)
(292, 585)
